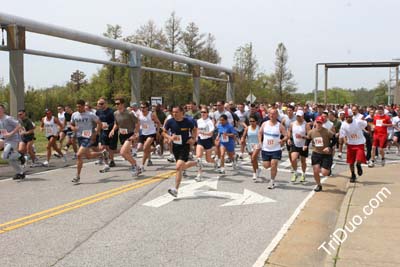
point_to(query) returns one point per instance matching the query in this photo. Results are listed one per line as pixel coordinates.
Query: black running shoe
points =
(16, 177)
(359, 170)
(112, 164)
(22, 159)
(318, 188)
(353, 178)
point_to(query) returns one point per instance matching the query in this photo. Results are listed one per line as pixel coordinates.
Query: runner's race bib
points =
(145, 126)
(318, 141)
(3, 132)
(104, 125)
(123, 131)
(87, 133)
(225, 138)
(379, 122)
(178, 139)
(354, 136)
(298, 136)
(270, 143)
(49, 131)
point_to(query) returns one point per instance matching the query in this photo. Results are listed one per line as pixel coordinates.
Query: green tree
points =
(283, 76)
(78, 80)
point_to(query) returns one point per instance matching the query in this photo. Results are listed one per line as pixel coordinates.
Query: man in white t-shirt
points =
(352, 132)
(396, 133)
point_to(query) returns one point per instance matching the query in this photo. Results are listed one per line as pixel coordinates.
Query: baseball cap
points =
(134, 104)
(348, 113)
(319, 119)
(299, 113)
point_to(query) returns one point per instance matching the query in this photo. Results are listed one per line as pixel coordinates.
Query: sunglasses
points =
(117, 103)
(252, 121)
(100, 104)
(143, 107)
(203, 111)
(20, 114)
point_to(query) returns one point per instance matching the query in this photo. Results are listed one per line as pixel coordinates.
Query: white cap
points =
(299, 113)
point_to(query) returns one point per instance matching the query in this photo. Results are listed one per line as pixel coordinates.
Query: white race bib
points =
(319, 142)
(354, 136)
(49, 131)
(123, 131)
(3, 132)
(145, 126)
(178, 139)
(104, 125)
(68, 124)
(298, 136)
(270, 143)
(379, 122)
(87, 133)
(225, 139)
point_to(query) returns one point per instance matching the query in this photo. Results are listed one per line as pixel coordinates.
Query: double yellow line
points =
(18, 223)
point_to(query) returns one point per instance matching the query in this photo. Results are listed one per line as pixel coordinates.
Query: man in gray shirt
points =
(9, 140)
(82, 124)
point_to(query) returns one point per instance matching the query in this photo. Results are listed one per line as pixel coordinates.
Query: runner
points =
(71, 140)
(226, 139)
(250, 139)
(352, 131)
(127, 125)
(269, 136)
(82, 124)
(148, 122)
(321, 159)
(396, 133)
(381, 122)
(287, 120)
(27, 133)
(297, 138)
(62, 133)
(51, 125)
(241, 125)
(107, 141)
(204, 141)
(9, 139)
(183, 134)
(216, 115)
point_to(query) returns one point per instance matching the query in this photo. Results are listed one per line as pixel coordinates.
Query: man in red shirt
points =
(381, 122)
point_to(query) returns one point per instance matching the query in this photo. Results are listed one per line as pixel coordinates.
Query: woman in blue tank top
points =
(250, 138)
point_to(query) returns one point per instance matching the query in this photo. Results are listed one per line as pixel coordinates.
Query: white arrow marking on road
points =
(192, 190)
(187, 190)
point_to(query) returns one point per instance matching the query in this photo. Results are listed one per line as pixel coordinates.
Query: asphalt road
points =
(113, 219)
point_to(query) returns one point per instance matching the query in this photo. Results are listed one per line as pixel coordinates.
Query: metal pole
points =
(196, 84)
(16, 44)
(134, 75)
(326, 85)
(389, 86)
(230, 88)
(316, 84)
(397, 88)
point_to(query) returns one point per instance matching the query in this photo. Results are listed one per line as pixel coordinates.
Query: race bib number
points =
(3, 132)
(379, 122)
(49, 131)
(225, 138)
(104, 125)
(178, 139)
(298, 136)
(68, 124)
(87, 133)
(354, 136)
(318, 141)
(145, 126)
(123, 131)
(270, 143)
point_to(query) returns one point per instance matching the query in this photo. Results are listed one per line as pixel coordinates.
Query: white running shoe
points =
(65, 159)
(45, 163)
(255, 178)
(198, 178)
(173, 192)
(271, 184)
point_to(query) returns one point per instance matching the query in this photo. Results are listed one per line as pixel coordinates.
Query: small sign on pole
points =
(155, 100)
(251, 98)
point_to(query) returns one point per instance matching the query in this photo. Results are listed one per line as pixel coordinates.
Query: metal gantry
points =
(393, 87)
(17, 26)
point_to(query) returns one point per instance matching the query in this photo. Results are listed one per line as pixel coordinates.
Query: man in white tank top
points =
(52, 126)
(297, 138)
(271, 152)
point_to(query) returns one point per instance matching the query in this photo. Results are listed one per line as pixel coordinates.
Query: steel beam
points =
(66, 33)
(134, 75)
(230, 88)
(196, 84)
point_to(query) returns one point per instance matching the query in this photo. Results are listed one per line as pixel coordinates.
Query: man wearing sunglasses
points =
(27, 133)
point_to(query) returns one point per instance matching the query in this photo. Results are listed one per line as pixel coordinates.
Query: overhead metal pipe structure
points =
(16, 27)
(344, 65)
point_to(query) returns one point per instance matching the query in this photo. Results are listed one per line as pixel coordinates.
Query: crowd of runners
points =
(215, 134)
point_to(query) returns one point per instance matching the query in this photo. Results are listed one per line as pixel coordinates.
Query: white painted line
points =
(264, 256)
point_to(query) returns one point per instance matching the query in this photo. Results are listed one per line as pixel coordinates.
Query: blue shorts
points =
(84, 142)
(206, 143)
(270, 155)
(230, 146)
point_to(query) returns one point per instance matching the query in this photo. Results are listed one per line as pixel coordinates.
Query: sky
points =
(312, 30)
